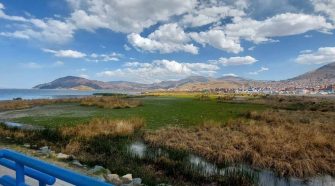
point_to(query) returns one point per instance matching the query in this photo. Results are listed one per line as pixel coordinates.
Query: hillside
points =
(321, 76)
(69, 82)
(326, 72)
(324, 75)
(72, 82)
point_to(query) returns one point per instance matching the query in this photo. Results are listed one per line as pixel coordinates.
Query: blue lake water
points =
(9, 94)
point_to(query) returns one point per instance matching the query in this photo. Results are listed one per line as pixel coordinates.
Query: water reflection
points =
(263, 177)
(20, 126)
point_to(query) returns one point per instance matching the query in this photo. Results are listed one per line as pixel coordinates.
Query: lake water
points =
(9, 94)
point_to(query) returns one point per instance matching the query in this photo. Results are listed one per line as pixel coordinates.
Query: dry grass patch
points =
(109, 102)
(102, 102)
(267, 140)
(101, 126)
(23, 104)
(296, 103)
(74, 138)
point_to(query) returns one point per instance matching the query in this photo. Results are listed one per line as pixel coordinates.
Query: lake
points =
(9, 94)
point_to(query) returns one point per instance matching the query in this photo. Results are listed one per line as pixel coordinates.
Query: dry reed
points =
(103, 102)
(267, 140)
(102, 126)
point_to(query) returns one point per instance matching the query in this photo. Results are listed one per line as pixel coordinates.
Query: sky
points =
(149, 41)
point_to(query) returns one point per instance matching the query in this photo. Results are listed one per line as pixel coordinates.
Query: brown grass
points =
(74, 138)
(109, 102)
(23, 104)
(308, 103)
(268, 140)
(103, 102)
(101, 126)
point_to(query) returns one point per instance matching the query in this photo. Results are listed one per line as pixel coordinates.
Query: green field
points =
(157, 111)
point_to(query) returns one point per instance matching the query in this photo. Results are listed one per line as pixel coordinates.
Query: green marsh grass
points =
(158, 112)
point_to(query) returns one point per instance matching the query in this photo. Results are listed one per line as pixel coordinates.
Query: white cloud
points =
(246, 60)
(262, 69)
(285, 24)
(169, 33)
(218, 39)
(126, 16)
(65, 53)
(3, 15)
(228, 22)
(251, 48)
(325, 6)
(212, 14)
(104, 57)
(159, 70)
(167, 38)
(150, 45)
(80, 55)
(230, 74)
(49, 29)
(321, 56)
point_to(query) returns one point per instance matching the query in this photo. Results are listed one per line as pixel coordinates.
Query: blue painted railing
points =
(44, 173)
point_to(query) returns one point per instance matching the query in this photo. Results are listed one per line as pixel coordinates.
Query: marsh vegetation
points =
(222, 130)
(99, 101)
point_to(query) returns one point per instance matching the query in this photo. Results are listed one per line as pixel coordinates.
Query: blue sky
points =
(149, 41)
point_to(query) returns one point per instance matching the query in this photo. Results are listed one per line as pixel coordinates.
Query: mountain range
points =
(321, 76)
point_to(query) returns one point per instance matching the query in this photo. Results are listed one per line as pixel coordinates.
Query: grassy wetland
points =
(186, 139)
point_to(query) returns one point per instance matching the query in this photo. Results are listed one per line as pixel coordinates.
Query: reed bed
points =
(109, 102)
(79, 133)
(102, 126)
(264, 140)
(99, 101)
(23, 104)
(298, 103)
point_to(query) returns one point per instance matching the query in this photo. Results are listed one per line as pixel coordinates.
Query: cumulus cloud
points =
(321, 56)
(262, 69)
(126, 16)
(218, 39)
(88, 57)
(50, 30)
(167, 38)
(325, 6)
(246, 60)
(285, 24)
(159, 70)
(222, 24)
(206, 15)
(65, 53)
(104, 57)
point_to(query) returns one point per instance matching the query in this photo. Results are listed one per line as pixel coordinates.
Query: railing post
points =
(45, 173)
(19, 168)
